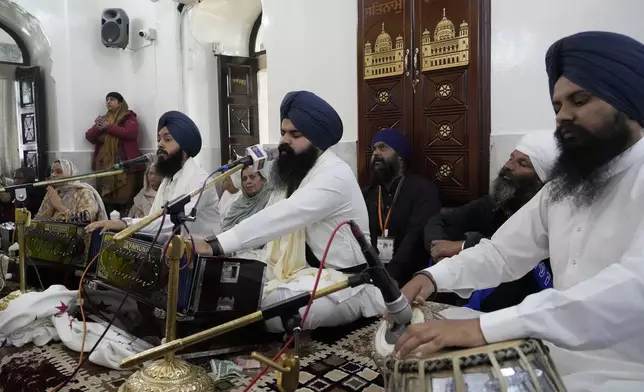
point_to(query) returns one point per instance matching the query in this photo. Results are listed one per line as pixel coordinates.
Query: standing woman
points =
(72, 199)
(114, 136)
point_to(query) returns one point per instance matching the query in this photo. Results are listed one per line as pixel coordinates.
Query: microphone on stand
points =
(149, 157)
(256, 157)
(395, 302)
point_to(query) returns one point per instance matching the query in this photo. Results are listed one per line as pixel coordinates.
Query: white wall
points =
(229, 25)
(311, 45)
(520, 97)
(84, 71)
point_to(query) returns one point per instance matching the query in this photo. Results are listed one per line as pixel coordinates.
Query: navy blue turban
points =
(395, 140)
(313, 117)
(608, 65)
(183, 130)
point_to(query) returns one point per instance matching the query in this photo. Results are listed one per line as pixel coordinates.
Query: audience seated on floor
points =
(399, 204)
(71, 200)
(145, 198)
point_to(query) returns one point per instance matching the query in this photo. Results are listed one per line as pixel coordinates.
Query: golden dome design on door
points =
(386, 59)
(448, 49)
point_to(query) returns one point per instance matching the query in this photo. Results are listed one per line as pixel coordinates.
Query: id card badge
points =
(386, 249)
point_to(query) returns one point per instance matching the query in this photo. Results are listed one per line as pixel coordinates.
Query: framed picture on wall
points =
(26, 93)
(31, 159)
(28, 128)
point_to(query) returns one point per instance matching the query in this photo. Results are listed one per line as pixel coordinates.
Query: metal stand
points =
(170, 373)
(288, 367)
(23, 219)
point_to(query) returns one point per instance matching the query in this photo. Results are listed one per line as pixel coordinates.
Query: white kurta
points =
(330, 196)
(190, 177)
(595, 313)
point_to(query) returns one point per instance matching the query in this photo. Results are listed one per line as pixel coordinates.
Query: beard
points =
(386, 171)
(169, 164)
(509, 192)
(290, 168)
(581, 170)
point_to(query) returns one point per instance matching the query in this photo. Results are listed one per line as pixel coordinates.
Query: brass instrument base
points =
(4, 302)
(169, 376)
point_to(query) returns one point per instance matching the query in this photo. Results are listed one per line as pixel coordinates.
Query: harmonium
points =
(209, 287)
(58, 252)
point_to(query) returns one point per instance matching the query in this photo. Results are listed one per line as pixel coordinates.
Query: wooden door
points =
(238, 110)
(384, 73)
(32, 119)
(451, 102)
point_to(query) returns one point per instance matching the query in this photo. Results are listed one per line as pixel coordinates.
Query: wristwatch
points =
(214, 245)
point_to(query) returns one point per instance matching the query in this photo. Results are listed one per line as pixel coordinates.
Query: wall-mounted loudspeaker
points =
(115, 28)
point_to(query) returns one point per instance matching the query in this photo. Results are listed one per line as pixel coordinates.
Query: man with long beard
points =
(520, 178)
(399, 204)
(589, 219)
(179, 141)
(314, 191)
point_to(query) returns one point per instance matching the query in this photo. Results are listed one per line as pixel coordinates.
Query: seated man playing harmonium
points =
(314, 191)
(589, 219)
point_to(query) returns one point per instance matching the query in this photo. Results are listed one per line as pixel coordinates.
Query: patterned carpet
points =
(332, 360)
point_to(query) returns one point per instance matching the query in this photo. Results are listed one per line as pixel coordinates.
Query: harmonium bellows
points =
(206, 284)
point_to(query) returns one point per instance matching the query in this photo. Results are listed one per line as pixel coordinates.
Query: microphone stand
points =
(23, 220)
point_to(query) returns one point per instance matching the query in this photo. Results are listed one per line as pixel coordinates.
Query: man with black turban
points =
(179, 141)
(589, 220)
(313, 192)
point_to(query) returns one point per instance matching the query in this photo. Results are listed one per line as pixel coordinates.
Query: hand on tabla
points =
(418, 289)
(420, 340)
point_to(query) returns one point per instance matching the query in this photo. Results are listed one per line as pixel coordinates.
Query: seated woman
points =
(254, 196)
(143, 201)
(70, 200)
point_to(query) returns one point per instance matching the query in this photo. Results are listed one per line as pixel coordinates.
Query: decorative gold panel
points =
(448, 49)
(385, 58)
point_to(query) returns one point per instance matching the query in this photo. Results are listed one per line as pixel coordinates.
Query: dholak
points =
(518, 365)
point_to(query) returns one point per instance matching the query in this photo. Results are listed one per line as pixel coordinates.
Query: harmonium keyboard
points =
(208, 286)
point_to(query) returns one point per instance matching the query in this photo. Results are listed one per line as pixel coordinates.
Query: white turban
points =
(542, 150)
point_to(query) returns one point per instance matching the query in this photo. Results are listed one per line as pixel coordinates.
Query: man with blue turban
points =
(179, 141)
(589, 220)
(399, 204)
(313, 192)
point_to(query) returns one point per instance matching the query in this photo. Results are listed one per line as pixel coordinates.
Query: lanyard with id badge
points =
(386, 243)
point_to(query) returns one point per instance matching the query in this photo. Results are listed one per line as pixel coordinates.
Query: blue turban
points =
(395, 140)
(313, 117)
(608, 65)
(183, 130)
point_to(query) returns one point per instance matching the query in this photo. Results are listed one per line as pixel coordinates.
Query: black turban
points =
(608, 65)
(313, 117)
(183, 130)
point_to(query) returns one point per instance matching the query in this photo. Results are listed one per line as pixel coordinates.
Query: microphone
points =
(256, 157)
(149, 157)
(397, 305)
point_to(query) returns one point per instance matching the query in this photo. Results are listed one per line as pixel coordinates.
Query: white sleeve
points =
(322, 196)
(516, 248)
(591, 315)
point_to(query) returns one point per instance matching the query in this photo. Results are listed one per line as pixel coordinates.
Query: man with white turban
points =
(313, 192)
(520, 178)
(588, 219)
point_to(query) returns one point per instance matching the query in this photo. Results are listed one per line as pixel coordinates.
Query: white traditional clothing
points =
(190, 177)
(328, 195)
(595, 312)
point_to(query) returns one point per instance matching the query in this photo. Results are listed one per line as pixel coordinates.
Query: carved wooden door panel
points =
(451, 102)
(32, 116)
(238, 113)
(384, 73)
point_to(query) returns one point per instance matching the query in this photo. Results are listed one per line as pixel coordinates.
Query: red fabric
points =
(127, 131)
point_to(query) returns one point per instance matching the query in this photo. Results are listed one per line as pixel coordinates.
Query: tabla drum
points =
(516, 366)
